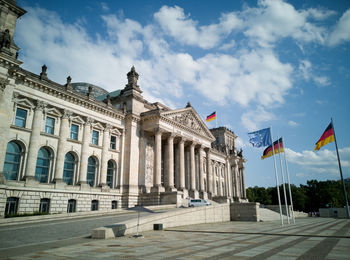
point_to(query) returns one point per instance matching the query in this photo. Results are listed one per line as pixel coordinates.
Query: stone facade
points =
(66, 150)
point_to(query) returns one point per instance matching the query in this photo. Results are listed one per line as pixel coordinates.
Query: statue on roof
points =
(5, 39)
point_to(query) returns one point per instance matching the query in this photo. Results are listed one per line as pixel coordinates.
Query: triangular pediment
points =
(53, 111)
(190, 119)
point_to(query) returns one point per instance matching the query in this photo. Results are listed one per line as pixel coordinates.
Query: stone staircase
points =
(269, 215)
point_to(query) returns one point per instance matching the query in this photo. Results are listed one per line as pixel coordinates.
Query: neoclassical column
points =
(209, 172)
(181, 151)
(235, 178)
(201, 175)
(34, 140)
(243, 183)
(193, 169)
(104, 155)
(170, 171)
(85, 151)
(64, 133)
(157, 178)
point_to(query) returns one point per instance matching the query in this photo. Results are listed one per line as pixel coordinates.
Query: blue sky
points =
(256, 63)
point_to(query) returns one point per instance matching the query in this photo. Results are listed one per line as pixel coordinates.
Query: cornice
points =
(31, 80)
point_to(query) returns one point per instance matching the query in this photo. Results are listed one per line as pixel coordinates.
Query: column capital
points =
(158, 130)
(89, 121)
(40, 105)
(67, 113)
(108, 128)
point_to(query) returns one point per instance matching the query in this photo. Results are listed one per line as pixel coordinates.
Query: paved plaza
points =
(309, 238)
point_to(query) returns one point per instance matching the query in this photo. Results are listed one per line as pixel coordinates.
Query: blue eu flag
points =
(260, 138)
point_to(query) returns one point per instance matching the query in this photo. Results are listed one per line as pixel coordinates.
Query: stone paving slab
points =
(309, 238)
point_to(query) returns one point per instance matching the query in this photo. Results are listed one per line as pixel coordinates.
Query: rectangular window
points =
(74, 130)
(95, 135)
(44, 206)
(11, 206)
(21, 117)
(50, 125)
(113, 142)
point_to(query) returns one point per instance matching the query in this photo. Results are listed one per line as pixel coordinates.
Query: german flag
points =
(277, 146)
(211, 117)
(327, 137)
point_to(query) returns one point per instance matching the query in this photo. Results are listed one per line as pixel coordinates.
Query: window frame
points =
(52, 132)
(72, 204)
(72, 134)
(65, 169)
(21, 119)
(91, 181)
(95, 139)
(18, 164)
(42, 167)
(95, 205)
(113, 145)
(44, 206)
(11, 201)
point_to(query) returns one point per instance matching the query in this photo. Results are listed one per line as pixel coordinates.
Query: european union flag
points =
(260, 138)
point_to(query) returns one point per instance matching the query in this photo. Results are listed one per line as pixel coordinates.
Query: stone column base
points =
(59, 184)
(203, 195)
(158, 189)
(105, 188)
(31, 181)
(170, 189)
(194, 194)
(84, 186)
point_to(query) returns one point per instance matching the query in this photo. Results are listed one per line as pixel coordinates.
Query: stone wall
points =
(29, 200)
(245, 211)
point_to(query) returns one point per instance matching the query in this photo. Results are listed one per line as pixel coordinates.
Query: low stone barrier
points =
(174, 218)
(245, 211)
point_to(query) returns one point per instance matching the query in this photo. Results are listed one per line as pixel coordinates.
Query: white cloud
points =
(341, 32)
(256, 76)
(186, 31)
(292, 123)
(306, 70)
(104, 6)
(322, 162)
(273, 20)
(253, 120)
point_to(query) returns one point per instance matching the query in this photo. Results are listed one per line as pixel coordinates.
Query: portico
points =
(179, 139)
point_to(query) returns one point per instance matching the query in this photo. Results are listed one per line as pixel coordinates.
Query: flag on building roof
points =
(260, 138)
(211, 117)
(327, 137)
(277, 146)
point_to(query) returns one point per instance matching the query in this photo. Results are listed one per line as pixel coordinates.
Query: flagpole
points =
(283, 182)
(290, 191)
(216, 120)
(341, 173)
(277, 184)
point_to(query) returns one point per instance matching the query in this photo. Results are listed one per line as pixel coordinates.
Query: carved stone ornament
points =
(43, 74)
(108, 128)
(67, 114)
(89, 121)
(5, 39)
(68, 84)
(40, 105)
(3, 83)
(188, 120)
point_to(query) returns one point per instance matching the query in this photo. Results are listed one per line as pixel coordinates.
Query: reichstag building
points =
(77, 147)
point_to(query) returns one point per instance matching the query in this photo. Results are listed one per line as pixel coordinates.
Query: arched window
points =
(12, 161)
(42, 165)
(68, 170)
(110, 173)
(90, 176)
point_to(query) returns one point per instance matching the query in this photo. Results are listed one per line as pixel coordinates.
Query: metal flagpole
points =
(290, 191)
(283, 182)
(341, 173)
(277, 183)
(216, 120)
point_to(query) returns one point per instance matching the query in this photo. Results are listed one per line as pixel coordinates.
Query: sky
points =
(258, 64)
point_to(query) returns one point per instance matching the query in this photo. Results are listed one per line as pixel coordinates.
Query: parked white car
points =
(198, 203)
